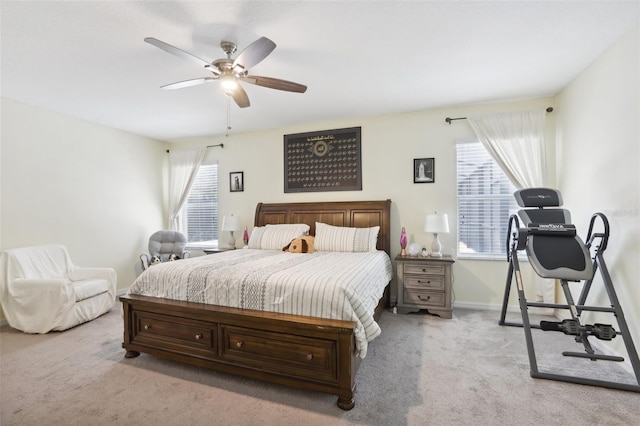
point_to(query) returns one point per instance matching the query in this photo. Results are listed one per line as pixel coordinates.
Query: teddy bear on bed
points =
(301, 245)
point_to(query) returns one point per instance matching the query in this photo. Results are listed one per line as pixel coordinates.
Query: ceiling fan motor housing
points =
(228, 47)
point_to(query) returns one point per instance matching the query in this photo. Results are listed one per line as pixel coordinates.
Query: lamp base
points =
(232, 241)
(435, 246)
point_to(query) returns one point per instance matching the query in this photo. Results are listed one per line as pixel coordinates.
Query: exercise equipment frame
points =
(516, 240)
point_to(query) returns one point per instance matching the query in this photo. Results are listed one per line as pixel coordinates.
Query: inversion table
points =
(555, 251)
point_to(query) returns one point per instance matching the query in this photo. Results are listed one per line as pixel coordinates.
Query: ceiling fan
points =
(232, 71)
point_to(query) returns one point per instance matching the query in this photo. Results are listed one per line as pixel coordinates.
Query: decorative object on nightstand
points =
(436, 224)
(403, 242)
(414, 249)
(245, 237)
(424, 283)
(231, 224)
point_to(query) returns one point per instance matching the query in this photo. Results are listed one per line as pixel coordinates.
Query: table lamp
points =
(436, 224)
(231, 224)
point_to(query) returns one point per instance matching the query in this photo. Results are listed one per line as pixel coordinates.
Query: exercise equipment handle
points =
(513, 219)
(604, 236)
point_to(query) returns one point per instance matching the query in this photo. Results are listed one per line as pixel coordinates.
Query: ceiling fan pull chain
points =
(228, 115)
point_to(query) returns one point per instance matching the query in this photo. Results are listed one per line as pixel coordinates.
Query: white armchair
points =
(42, 290)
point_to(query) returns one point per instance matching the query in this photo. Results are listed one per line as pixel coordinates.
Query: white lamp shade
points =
(436, 223)
(231, 223)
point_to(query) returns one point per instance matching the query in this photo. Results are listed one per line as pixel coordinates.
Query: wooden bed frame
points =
(304, 352)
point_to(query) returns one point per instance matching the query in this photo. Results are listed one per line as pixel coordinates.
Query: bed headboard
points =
(357, 214)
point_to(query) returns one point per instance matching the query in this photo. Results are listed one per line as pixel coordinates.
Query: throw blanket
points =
(344, 286)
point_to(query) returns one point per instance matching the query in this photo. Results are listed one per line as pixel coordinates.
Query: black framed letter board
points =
(328, 160)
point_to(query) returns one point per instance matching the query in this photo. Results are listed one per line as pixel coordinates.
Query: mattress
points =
(333, 285)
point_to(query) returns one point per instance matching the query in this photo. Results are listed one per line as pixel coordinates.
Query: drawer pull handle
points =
(309, 357)
(420, 297)
(239, 344)
(147, 326)
(424, 282)
(198, 336)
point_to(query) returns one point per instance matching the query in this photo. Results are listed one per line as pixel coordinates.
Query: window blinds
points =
(199, 215)
(485, 202)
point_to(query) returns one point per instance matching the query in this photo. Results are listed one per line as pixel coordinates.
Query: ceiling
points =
(358, 58)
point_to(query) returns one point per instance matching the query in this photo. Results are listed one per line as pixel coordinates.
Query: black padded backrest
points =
(529, 216)
(538, 197)
(563, 256)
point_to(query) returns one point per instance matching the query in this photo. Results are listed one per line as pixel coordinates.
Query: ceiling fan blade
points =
(187, 83)
(175, 51)
(275, 83)
(254, 53)
(240, 97)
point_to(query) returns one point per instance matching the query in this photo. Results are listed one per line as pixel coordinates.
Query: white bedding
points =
(345, 286)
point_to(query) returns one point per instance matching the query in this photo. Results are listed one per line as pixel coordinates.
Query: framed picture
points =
(236, 181)
(423, 170)
(328, 160)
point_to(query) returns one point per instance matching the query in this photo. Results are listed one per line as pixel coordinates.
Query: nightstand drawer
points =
(424, 298)
(424, 269)
(425, 282)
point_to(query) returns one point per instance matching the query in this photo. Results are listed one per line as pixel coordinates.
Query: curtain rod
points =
(449, 119)
(221, 145)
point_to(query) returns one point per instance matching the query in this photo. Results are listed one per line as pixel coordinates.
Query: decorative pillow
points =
(341, 238)
(274, 237)
(300, 245)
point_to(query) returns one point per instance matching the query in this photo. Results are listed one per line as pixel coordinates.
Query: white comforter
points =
(344, 286)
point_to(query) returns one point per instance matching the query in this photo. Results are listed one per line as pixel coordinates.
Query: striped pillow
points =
(274, 237)
(341, 238)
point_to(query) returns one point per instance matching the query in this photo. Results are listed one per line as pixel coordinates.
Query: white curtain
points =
(516, 142)
(183, 168)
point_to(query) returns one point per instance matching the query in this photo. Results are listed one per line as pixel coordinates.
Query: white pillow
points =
(341, 238)
(275, 237)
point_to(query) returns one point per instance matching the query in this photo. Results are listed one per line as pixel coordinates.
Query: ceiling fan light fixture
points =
(229, 83)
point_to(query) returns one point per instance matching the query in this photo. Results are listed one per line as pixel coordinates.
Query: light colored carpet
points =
(422, 370)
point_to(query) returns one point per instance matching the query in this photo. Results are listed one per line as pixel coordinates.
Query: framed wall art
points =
(328, 160)
(236, 181)
(423, 170)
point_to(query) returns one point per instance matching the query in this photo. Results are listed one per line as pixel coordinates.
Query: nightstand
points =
(424, 283)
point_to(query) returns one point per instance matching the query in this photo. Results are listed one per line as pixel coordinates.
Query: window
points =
(199, 214)
(485, 202)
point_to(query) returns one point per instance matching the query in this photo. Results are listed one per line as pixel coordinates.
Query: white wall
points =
(94, 189)
(389, 145)
(100, 191)
(598, 142)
